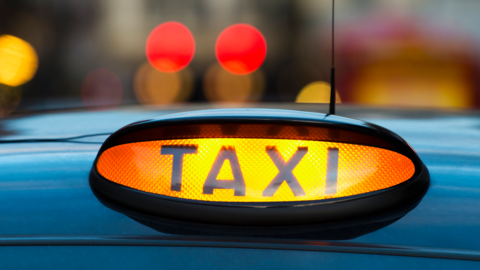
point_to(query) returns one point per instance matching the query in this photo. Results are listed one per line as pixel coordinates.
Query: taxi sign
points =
(258, 167)
(253, 170)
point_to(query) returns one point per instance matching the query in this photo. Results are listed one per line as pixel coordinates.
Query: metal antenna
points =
(332, 70)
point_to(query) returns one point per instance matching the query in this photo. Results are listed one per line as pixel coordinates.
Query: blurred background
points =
(99, 55)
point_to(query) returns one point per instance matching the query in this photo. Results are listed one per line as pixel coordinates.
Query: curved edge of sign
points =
(262, 117)
(325, 231)
(263, 214)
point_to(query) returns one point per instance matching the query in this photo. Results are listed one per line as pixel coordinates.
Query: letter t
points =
(177, 151)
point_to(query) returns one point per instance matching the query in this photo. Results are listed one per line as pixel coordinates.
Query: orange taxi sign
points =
(253, 170)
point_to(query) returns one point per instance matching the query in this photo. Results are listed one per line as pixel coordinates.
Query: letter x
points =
(285, 171)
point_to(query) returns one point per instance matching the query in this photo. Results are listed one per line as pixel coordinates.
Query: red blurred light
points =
(241, 49)
(101, 90)
(170, 47)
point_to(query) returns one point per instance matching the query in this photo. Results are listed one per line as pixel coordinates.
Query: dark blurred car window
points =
(99, 55)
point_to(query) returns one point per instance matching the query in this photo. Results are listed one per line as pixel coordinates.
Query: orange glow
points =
(170, 47)
(241, 49)
(18, 61)
(316, 92)
(223, 86)
(101, 90)
(414, 79)
(154, 87)
(253, 170)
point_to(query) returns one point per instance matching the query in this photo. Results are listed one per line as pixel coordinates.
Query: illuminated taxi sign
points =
(256, 170)
(253, 170)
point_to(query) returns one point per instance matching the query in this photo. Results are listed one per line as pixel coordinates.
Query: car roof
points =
(45, 192)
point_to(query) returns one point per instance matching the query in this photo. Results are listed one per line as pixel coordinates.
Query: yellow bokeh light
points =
(316, 92)
(223, 86)
(415, 79)
(154, 87)
(18, 61)
(253, 170)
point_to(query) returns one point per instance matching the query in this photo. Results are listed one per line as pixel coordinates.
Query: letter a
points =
(237, 184)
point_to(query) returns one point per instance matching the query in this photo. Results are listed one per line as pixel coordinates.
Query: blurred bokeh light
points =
(398, 61)
(223, 86)
(9, 99)
(154, 87)
(170, 47)
(18, 61)
(414, 80)
(241, 49)
(402, 53)
(316, 92)
(101, 90)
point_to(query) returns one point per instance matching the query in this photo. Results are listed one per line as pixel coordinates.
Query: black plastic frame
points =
(260, 214)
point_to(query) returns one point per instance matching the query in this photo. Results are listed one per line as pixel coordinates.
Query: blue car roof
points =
(45, 192)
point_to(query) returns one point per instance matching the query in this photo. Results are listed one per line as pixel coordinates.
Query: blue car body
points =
(50, 219)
